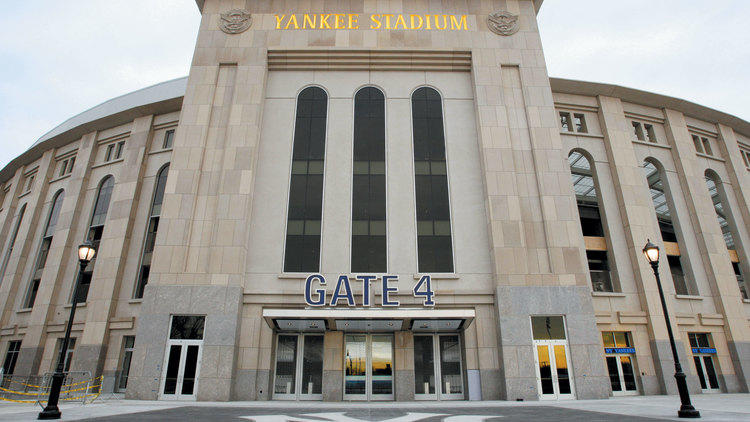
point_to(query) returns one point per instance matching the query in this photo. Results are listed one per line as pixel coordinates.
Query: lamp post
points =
(86, 253)
(686, 409)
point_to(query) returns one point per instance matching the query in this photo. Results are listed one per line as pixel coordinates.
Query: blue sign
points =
(704, 350)
(619, 350)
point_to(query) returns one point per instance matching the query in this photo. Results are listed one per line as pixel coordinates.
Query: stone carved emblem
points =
(235, 21)
(503, 23)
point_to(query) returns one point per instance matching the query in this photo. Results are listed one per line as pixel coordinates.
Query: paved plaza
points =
(723, 407)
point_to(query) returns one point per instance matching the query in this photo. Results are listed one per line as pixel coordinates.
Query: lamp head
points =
(86, 252)
(652, 253)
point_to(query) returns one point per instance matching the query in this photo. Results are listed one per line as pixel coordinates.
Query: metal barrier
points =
(78, 385)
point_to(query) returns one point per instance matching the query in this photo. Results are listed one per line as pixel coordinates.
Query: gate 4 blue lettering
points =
(316, 294)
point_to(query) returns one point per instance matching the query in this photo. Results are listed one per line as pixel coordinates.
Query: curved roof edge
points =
(649, 99)
(167, 97)
(161, 98)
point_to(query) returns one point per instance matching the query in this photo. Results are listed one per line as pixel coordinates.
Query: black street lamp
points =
(86, 253)
(686, 409)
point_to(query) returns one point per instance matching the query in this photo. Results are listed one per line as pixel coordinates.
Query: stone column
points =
(62, 261)
(333, 366)
(202, 243)
(712, 247)
(403, 362)
(91, 348)
(471, 360)
(639, 223)
(15, 280)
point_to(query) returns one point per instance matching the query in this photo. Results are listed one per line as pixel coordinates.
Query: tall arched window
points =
(368, 198)
(302, 252)
(94, 235)
(12, 241)
(672, 243)
(587, 198)
(152, 228)
(434, 241)
(724, 215)
(41, 259)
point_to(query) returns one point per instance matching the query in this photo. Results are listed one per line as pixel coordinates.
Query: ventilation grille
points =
(436, 60)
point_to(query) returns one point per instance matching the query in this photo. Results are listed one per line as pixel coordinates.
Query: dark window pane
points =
(699, 371)
(173, 366)
(187, 327)
(302, 252)
(614, 374)
(431, 183)
(368, 199)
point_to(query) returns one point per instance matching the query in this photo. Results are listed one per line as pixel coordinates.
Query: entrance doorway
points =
(622, 374)
(704, 367)
(182, 358)
(299, 367)
(368, 363)
(446, 368)
(552, 358)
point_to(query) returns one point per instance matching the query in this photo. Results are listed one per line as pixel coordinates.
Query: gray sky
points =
(58, 58)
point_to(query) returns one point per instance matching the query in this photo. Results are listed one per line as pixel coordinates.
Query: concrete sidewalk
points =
(713, 407)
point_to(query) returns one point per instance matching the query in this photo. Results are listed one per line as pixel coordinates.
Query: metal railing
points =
(78, 386)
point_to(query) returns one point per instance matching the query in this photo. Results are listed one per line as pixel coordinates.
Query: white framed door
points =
(181, 370)
(438, 369)
(553, 374)
(621, 368)
(298, 374)
(706, 371)
(368, 367)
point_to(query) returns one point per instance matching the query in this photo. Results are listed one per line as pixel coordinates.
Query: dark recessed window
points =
(96, 229)
(153, 227)
(11, 356)
(12, 242)
(368, 199)
(302, 252)
(168, 139)
(434, 240)
(41, 260)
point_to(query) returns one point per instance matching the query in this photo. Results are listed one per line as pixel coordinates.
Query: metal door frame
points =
(181, 369)
(620, 373)
(437, 356)
(369, 396)
(556, 395)
(707, 390)
(298, 366)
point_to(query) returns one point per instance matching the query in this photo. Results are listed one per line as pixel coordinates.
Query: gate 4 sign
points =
(316, 294)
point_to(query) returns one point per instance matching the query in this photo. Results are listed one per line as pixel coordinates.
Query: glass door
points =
(621, 370)
(299, 367)
(181, 367)
(368, 362)
(552, 364)
(704, 367)
(446, 369)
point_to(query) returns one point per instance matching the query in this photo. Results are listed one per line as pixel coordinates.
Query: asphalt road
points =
(297, 413)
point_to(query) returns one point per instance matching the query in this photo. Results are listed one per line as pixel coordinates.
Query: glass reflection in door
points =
(382, 365)
(286, 365)
(312, 366)
(355, 377)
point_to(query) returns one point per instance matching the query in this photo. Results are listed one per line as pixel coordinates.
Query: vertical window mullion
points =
(305, 206)
(152, 226)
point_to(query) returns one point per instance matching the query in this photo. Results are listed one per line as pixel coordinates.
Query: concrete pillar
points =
(333, 366)
(713, 248)
(403, 362)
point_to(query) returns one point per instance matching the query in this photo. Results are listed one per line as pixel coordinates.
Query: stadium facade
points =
(370, 200)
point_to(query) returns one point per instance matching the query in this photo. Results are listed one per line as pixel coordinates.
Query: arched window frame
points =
(12, 241)
(741, 268)
(308, 225)
(152, 227)
(45, 244)
(690, 285)
(94, 235)
(602, 282)
(419, 171)
(373, 171)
